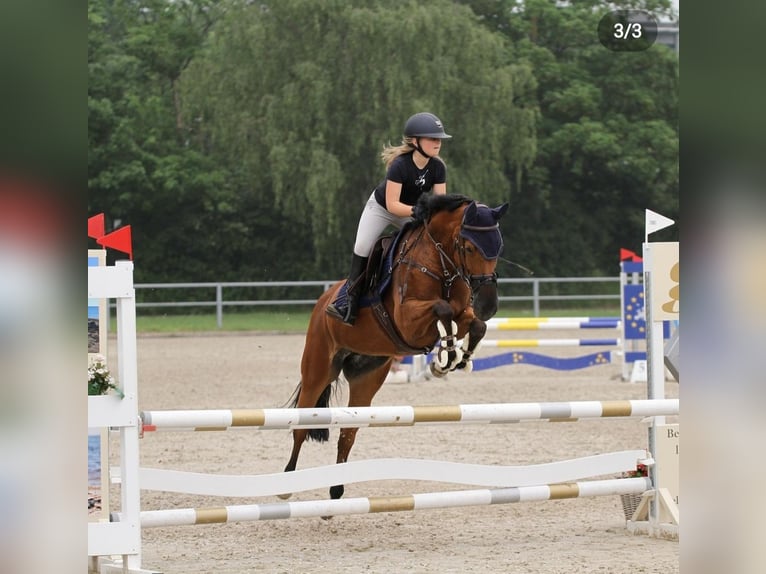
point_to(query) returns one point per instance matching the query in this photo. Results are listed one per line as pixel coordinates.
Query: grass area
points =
(282, 321)
(296, 321)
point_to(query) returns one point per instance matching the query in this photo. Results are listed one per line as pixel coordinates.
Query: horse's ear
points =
(471, 212)
(498, 212)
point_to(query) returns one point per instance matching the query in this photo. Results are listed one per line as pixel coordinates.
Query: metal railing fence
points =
(535, 290)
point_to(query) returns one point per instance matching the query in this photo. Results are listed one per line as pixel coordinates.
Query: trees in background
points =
(242, 139)
(300, 98)
(141, 170)
(607, 136)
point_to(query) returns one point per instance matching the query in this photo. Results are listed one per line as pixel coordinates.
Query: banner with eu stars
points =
(633, 312)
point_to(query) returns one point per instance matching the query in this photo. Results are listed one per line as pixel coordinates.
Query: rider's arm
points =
(393, 192)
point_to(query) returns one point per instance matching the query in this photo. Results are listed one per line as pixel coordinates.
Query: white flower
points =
(100, 380)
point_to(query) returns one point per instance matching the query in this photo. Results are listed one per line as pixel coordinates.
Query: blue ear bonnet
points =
(480, 227)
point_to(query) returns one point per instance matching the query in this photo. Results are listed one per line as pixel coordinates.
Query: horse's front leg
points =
(476, 331)
(448, 354)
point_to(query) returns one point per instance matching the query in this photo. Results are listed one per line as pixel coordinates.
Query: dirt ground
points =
(584, 535)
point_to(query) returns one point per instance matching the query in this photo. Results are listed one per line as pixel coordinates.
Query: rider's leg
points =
(374, 220)
(354, 287)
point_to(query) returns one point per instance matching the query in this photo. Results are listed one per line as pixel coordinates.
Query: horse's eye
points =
(469, 248)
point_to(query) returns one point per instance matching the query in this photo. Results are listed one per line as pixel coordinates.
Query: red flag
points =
(96, 226)
(119, 240)
(637, 259)
(626, 254)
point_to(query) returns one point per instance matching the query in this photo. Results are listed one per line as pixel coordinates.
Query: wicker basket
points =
(629, 504)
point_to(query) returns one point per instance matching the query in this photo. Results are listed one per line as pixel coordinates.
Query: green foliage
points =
(178, 200)
(607, 137)
(241, 140)
(304, 96)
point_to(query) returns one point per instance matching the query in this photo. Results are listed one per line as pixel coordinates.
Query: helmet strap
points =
(420, 149)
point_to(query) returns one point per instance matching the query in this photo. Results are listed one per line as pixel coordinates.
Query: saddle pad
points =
(387, 264)
(341, 299)
(368, 298)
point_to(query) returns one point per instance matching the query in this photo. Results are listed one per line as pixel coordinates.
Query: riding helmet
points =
(425, 125)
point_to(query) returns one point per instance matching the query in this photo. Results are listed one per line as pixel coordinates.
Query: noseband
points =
(479, 281)
(476, 282)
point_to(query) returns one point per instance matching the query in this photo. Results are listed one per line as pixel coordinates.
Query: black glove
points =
(419, 212)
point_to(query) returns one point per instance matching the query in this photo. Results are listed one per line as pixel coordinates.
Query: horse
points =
(436, 286)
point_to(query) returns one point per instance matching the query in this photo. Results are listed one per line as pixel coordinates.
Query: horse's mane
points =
(430, 204)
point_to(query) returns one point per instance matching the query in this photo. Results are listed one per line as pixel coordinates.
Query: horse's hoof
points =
(285, 495)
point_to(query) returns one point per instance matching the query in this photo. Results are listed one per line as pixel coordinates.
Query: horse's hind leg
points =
(313, 391)
(365, 376)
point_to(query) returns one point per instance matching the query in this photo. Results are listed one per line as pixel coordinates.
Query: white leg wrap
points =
(448, 355)
(466, 360)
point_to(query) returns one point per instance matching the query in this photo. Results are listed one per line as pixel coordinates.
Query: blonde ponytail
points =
(391, 152)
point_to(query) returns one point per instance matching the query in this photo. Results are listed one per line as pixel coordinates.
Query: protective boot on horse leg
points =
(353, 291)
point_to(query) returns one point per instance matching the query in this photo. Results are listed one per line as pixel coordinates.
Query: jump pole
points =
(339, 417)
(533, 324)
(422, 501)
(525, 343)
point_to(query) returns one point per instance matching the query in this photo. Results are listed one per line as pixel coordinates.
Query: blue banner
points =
(634, 312)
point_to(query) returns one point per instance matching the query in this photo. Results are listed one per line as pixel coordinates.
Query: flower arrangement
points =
(641, 470)
(630, 502)
(100, 380)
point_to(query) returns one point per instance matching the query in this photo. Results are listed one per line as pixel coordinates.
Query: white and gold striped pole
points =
(339, 417)
(412, 502)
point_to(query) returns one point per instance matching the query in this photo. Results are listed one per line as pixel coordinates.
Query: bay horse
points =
(439, 285)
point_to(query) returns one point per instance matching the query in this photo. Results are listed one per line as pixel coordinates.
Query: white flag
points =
(655, 222)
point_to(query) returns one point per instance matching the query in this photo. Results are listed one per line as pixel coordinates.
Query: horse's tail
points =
(319, 435)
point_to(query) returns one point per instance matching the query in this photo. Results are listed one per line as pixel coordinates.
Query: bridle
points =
(450, 271)
(476, 282)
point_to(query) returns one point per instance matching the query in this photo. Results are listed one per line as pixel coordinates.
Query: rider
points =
(412, 168)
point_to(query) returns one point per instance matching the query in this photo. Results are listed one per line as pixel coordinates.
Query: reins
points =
(448, 278)
(450, 271)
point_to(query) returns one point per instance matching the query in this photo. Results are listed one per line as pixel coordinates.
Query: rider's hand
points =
(419, 213)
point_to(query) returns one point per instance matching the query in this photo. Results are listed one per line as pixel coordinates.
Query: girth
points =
(385, 322)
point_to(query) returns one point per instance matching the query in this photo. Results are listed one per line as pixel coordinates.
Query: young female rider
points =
(412, 168)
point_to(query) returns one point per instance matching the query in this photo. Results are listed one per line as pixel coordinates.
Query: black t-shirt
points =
(414, 181)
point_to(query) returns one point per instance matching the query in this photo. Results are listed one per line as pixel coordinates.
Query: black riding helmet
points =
(425, 125)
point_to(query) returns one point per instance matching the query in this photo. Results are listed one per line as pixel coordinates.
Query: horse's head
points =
(479, 244)
(472, 232)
